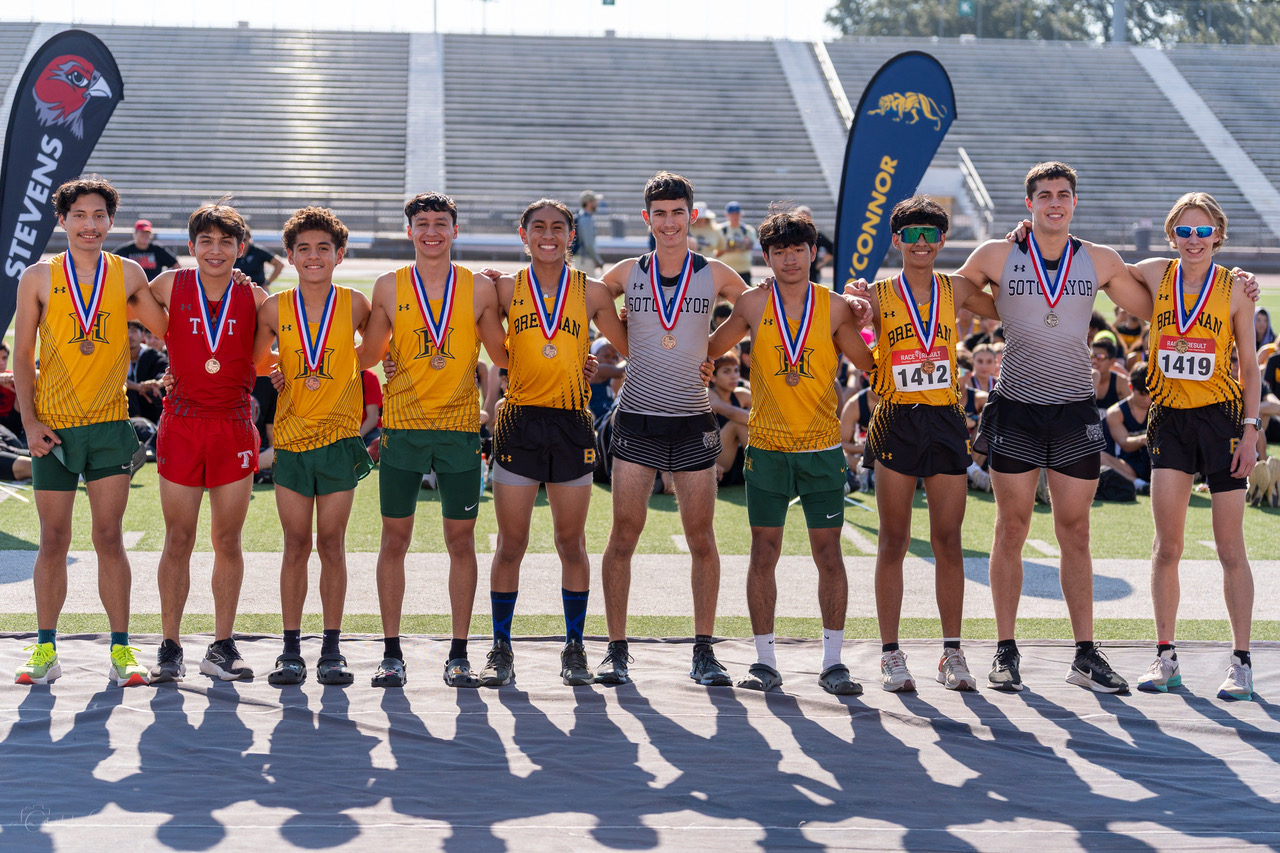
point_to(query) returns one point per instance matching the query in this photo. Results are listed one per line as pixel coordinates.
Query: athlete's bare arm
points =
(268, 329)
(616, 277)
(1131, 294)
(848, 334)
(729, 285)
(973, 298)
(33, 300)
(983, 267)
(1246, 455)
(377, 332)
(602, 310)
(142, 304)
(488, 319)
(738, 326)
(360, 311)
(162, 288)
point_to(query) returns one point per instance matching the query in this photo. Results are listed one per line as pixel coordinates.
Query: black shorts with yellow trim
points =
(1197, 441)
(774, 477)
(544, 444)
(918, 440)
(1020, 437)
(666, 442)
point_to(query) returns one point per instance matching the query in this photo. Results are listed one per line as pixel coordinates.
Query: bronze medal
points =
(793, 378)
(549, 351)
(313, 383)
(212, 366)
(86, 347)
(668, 341)
(1051, 319)
(927, 366)
(1181, 346)
(437, 362)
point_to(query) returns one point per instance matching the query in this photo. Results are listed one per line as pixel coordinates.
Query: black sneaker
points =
(706, 670)
(222, 660)
(1004, 670)
(500, 666)
(573, 665)
(390, 673)
(138, 460)
(169, 665)
(1092, 670)
(613, 669)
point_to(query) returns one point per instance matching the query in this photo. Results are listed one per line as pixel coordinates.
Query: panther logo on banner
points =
(899, 106)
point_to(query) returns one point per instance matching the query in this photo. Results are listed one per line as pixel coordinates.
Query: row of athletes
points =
(664, 422)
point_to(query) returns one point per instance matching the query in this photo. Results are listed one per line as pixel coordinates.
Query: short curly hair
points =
(315, 219)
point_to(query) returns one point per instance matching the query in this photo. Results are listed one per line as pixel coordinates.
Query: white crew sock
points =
(832, 644)
(764, 650)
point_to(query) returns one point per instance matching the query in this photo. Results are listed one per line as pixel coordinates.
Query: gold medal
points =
(86, 347)
(549, 351)
(668, 341)
(212, 366)
(1051, 319)
(437, 362)
(313, 383)
(927, 366)
(1181, 346)
(793, 378)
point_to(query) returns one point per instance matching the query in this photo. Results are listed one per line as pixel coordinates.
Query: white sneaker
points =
(1162, 674)
(1239, 682)
(429, 480)
(980, 480)
(953, 671)
(894, 676)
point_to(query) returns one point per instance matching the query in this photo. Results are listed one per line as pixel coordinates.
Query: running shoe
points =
(1004, 670)
(1239, 682)
(707, 671)
(980, 480)
(125, 669)
(1162, 674)
(500, 666)
(1092, 670)
(222, 660)
(41, 668)
(762, 677)
(613, 669)
(332, 669)
(290, 669)
(836, 680)
(1042, 488)
(573, 665)
(894, 676)
(169, 665)
(457, 673)
(390, 673)
(953, 671)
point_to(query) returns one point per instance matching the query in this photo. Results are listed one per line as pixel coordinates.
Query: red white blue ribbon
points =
(214, 330)
(87, 314)
(1187, 319)
(924, 333)
(550, 322)
(313, 350)
(669, 313)
(436, 327)
(793, 347)
(1052, 290)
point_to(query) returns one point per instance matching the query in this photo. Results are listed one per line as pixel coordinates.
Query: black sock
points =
(457, 648)
(702, 642)
(951, 644)
(391, 648)
(1244, 658)
(888, 647)
(293, 642)
(329, 646)
(618, 645)
(1006, 644)
(1083, 647)
(1166, 647)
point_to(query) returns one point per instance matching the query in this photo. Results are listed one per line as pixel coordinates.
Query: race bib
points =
(1192, 359)
(915, 371)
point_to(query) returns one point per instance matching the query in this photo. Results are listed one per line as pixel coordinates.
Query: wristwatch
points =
(1256, 423)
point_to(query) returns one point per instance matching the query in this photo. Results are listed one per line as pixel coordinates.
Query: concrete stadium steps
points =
(1019, 103)
(14, 38)
(531, 116)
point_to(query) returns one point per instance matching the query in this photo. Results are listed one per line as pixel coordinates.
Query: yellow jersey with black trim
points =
(800, 417)
(421, 396)
(535, 375)
(1191, 370)
(75, 389)
(307, 419)
(904, 373)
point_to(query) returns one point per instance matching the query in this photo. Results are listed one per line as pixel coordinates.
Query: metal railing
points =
(978, 195)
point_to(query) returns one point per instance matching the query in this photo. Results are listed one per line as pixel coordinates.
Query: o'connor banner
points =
(899, 124)
(60, 107)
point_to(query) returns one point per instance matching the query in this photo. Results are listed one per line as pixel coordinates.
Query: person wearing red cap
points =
(152, 257)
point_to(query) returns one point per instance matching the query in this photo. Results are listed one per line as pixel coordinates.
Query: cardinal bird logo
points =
(63, 91)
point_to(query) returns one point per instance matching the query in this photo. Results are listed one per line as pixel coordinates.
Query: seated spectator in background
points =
(983, 377)
(254, 263)
(704, 237)
(1127, 424)
(855, 419)
(371, 426)
(1108, 380)
(985, 334)
(719, 314)
(146, 367)
(10, 416)
(1262, 328)
(608, 377)
(744, 362)
(739, 242)
(151, 256)
(1098, 325)
(263, 406)
(15, 459)
(731, 404)
(1129, 329)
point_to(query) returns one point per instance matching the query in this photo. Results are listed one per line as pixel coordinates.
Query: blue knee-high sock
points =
(575, 613)
(503, 605)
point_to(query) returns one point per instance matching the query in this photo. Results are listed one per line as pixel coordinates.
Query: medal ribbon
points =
(1188, 319)
(551, 322)
(213, 331)
(793, 347)
(436, 328)
(86, 314)
(924, 334)
(668, 314)
(313, 351)
(1052, 292)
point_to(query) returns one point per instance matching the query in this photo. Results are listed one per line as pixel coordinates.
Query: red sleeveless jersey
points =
(197, 393)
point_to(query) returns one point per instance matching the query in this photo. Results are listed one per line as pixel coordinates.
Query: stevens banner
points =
(904, 113)
(61, 105)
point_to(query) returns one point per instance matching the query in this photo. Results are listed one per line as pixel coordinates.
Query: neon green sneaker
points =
(41, 668)
(125, 669)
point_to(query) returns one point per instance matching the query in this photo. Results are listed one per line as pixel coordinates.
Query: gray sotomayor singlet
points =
(1045, 364)
(664, 381)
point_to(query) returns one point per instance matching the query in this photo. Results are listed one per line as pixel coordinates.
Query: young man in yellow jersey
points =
(794, 435)
(1202, 420)
(918, 431)
(319, 455)
(434, 314)
(75, 413)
